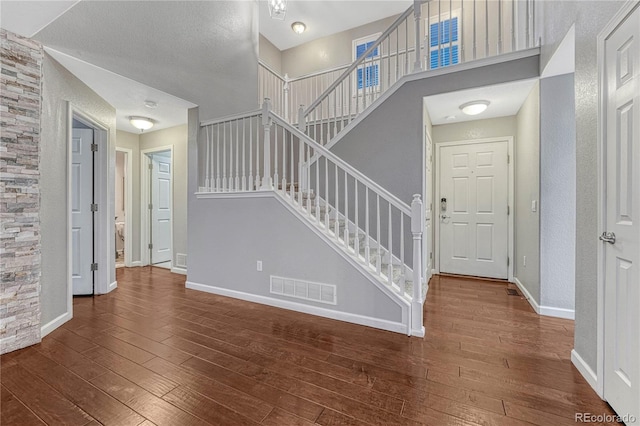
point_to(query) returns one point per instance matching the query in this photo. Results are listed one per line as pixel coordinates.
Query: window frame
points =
(372, 61)
(442, 18)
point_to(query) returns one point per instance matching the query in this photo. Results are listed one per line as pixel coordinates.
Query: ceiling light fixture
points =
(141, 123)
(298, 27)
(277, 9)
(474, 107)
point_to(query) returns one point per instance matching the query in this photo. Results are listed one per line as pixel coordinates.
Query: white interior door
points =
(81, 214)
(473, 215)
(161, 208)
(622, 281)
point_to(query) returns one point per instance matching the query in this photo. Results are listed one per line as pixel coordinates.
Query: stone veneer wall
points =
(20, 106)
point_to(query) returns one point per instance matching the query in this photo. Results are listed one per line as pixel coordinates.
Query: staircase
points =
(264, 151)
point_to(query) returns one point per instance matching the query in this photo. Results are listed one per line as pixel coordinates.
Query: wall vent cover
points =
(305, 290)
(181, 260)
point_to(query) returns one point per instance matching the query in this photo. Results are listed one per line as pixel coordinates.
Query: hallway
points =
(153, 352)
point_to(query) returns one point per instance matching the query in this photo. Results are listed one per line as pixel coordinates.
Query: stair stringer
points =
(402, 302)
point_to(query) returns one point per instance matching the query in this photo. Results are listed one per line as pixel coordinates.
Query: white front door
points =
(428, 205)
(81, 214)
(473, 215)
(621, 252)
(161, 208)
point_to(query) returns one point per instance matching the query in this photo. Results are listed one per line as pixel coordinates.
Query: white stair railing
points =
(261, 151)
(445, 33)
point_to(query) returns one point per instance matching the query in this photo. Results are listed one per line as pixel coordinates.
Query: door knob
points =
(608, 237)
(444, 216)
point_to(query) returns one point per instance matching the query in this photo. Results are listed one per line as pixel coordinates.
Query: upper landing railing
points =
(447, 33)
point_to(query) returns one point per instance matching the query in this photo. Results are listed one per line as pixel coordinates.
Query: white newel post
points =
(417, 12)
(266, 124)
(417, 227)
(286, 97)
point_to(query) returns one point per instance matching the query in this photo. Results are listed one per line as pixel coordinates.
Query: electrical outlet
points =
(259, 265)
(524, 260)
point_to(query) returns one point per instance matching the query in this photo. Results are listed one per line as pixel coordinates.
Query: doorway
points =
(619, 193)
(473, 220)
(88, 207)
(123, 207)
(157, 190)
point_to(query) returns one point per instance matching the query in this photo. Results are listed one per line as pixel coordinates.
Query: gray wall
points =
(132, 142)
(176, 136)
(60, 86)
(224, 254)
(270, 54)
(476, 129)
(558, 190)
(557, 17)
(328, 52)
(387, 145)
(527, 190)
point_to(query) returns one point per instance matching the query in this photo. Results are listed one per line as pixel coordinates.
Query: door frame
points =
(103, 229)
(128, 199)
(511, 199)
(145, 220)
(608, 29)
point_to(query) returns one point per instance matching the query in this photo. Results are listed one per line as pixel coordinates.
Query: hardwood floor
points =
(152, 352)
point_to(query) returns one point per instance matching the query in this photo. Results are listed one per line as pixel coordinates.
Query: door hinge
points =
(150, 166)
(150, 206)
(94, 207)
(508, 159)
(508, 261)
(508, 210)
(94, 147)
(150, 246)
(94, 267)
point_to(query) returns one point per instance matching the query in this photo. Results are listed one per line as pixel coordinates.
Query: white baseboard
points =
(177, 270)
(112, 286)
(547, 311)
(527, 295)
(136, 264)
(584, 370)
(306, 309)
(55, 323)
(557, 312)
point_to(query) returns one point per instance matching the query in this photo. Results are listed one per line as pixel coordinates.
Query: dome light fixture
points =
(474, 107)
(141, 123)
(298, 27)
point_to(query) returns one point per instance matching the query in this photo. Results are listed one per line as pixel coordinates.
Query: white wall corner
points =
(527, 295)
(177, 270)
(55, 323)
(586, 371)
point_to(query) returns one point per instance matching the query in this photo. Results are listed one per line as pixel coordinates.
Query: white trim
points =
(54, 323)
(177, 270)
(145, 160)
(584, 369)
(128, 195)
(608, 29)
(300, 307)
(136, 264)
(228, 195)
(532, 301)
(465, 66)
(511, 194)
(113, 286)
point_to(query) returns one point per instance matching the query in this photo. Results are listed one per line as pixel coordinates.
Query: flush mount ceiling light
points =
(141, 123)
(277, 9)
(298, 27)
(474, 107)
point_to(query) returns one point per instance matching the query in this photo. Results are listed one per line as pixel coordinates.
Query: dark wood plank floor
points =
(152, 352)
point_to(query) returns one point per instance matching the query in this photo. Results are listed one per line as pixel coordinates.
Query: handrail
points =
(385, 194)
(231, 117)
(271, 70)
(362, 58)
(317, 73)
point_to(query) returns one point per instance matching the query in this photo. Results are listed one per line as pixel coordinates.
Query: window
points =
(444, 40)
(368, 74)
